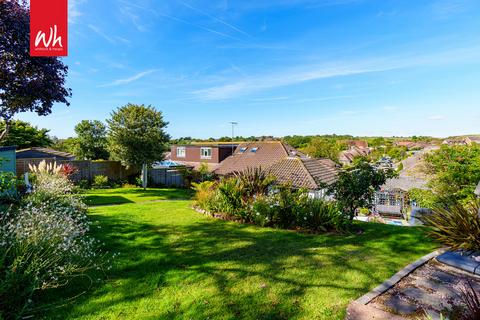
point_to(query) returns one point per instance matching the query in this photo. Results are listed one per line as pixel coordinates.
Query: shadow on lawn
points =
(166, 193)
(228, 254)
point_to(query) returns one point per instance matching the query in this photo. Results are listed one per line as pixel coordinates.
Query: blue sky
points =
(386, 67)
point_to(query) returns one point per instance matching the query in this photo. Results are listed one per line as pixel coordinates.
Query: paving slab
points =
(461, 261)
(400, 306)
(424, 298)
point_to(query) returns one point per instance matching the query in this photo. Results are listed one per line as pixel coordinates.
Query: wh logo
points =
(41, 36)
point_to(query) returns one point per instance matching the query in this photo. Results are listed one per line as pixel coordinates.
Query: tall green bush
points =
(456, 226)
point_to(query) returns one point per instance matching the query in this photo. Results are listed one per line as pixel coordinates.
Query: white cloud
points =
(133, 78)
(111, 39)
(299, 74)
(74, 11)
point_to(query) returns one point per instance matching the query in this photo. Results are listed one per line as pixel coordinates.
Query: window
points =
(205, 153)
(243, 149)
(181, 152)
(254, 150)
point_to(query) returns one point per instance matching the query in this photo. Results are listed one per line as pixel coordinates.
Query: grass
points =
(133, 195)
(177, 264)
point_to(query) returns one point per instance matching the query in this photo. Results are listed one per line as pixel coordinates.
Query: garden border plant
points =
(44, 241)
(254, 196)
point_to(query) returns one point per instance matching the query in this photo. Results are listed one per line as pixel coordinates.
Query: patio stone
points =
(400, 306)
(457, 260)
(424, 298)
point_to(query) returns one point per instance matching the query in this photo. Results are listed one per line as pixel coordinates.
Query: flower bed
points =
(254, 197)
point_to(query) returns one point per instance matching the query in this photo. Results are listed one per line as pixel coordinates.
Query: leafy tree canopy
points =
(136, 135)
(455, 171)
(23, 135)
(26, 83)
(69, 145)
(324, 148)
(91, 140)
(355, 187)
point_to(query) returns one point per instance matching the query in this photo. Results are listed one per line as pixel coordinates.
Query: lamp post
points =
(233, 123)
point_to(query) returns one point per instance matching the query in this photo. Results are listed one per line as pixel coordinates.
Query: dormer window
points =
(243, 149)
(254, 150)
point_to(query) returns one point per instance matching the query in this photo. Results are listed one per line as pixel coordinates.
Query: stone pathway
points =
(433, 288)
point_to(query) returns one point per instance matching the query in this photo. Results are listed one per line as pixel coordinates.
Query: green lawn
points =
(177, 264)
(134, 195)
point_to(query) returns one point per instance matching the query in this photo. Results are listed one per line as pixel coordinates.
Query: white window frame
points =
(182, 153)
(205, 156)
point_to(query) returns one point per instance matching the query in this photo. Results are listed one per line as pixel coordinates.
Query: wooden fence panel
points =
(167, 177)
(86, 169)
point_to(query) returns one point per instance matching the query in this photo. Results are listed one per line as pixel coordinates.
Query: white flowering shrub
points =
(43, 243)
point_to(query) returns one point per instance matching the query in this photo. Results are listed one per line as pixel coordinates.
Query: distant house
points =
(411, 145)
(357, 143)
(284, 162)
(194, 155)
(44, 153)
(456, 141)
(7, 159)
(472, 140)
(346, 157)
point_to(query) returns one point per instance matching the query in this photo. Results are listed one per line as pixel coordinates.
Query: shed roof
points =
(37, 152)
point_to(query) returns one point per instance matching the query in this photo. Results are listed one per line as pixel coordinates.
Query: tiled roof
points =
(266, 154)
(305, 173)
(353, 152)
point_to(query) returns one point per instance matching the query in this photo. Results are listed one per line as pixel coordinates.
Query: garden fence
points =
(114, 170)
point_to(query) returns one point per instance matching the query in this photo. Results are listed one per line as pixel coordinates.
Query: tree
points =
(355, 187)
(26, 83)
(91, 140)
(24, 135)
(323, 148)
(137, 137)
(69, 145)
(455, 172)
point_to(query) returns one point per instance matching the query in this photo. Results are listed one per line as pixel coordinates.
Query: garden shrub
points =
(8, 187)
(205, 193)
(456, 226)
(253, 181)
(321, 215)
(84, 184)
(228, 198)
(100, 181)
(252, 197)
(423, 198)
(44, 242)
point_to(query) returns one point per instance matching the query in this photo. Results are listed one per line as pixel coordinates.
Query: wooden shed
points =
(7, 159)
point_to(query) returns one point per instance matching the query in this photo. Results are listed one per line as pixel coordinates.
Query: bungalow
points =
(284, 162)
(346, 157)
(357, 143)
(193, 155)
(472, 140)
(254, 155)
